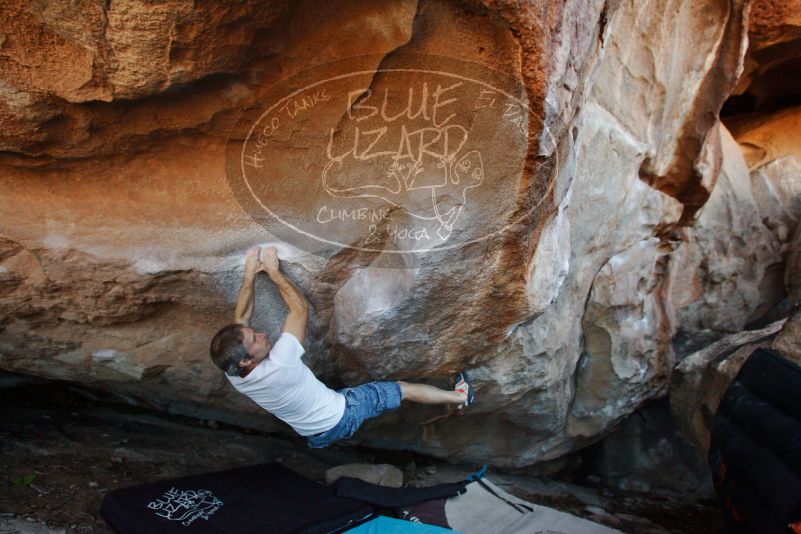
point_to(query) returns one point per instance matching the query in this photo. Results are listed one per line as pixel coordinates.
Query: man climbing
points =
(278, 381)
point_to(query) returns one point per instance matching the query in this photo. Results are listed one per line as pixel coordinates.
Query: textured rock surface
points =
(766, 138)
(731, 265)
(381, 474)
(788, 342)
(122, 244)
(773, 22)
(91, 51)
(770, 76)
(646, 454)
(792, 273)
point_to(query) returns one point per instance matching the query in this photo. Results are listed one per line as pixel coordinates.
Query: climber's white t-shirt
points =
(285, 387)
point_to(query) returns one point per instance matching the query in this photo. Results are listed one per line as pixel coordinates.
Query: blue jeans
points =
(361, 403)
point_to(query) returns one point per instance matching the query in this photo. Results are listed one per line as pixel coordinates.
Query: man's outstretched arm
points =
(246, 298)
(295, 322)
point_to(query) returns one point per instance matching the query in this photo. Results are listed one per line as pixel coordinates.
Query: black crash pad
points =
(755, 450)
(259, 498)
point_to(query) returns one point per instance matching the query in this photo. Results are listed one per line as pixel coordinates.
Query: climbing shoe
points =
(463, 384)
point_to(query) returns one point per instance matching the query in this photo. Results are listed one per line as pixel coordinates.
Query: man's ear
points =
(245, 362)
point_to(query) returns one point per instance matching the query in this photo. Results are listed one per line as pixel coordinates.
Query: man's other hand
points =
(252, 263)
(269, 260)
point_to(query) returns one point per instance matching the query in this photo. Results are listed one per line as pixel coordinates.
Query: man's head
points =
(237, 348)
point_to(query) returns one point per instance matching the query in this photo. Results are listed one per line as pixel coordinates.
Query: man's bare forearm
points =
(295, 322)
(244, 301)
(292, 296)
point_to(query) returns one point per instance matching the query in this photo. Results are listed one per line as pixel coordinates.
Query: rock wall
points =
(628, 220)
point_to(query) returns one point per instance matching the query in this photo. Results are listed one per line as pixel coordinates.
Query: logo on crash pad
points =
(403, 154)
(185, 506)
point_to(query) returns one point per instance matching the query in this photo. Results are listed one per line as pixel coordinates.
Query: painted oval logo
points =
(401, 154)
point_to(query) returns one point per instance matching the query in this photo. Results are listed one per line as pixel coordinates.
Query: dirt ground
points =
(60, 452)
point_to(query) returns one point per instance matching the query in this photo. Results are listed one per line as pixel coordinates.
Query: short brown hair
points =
(227, 349)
